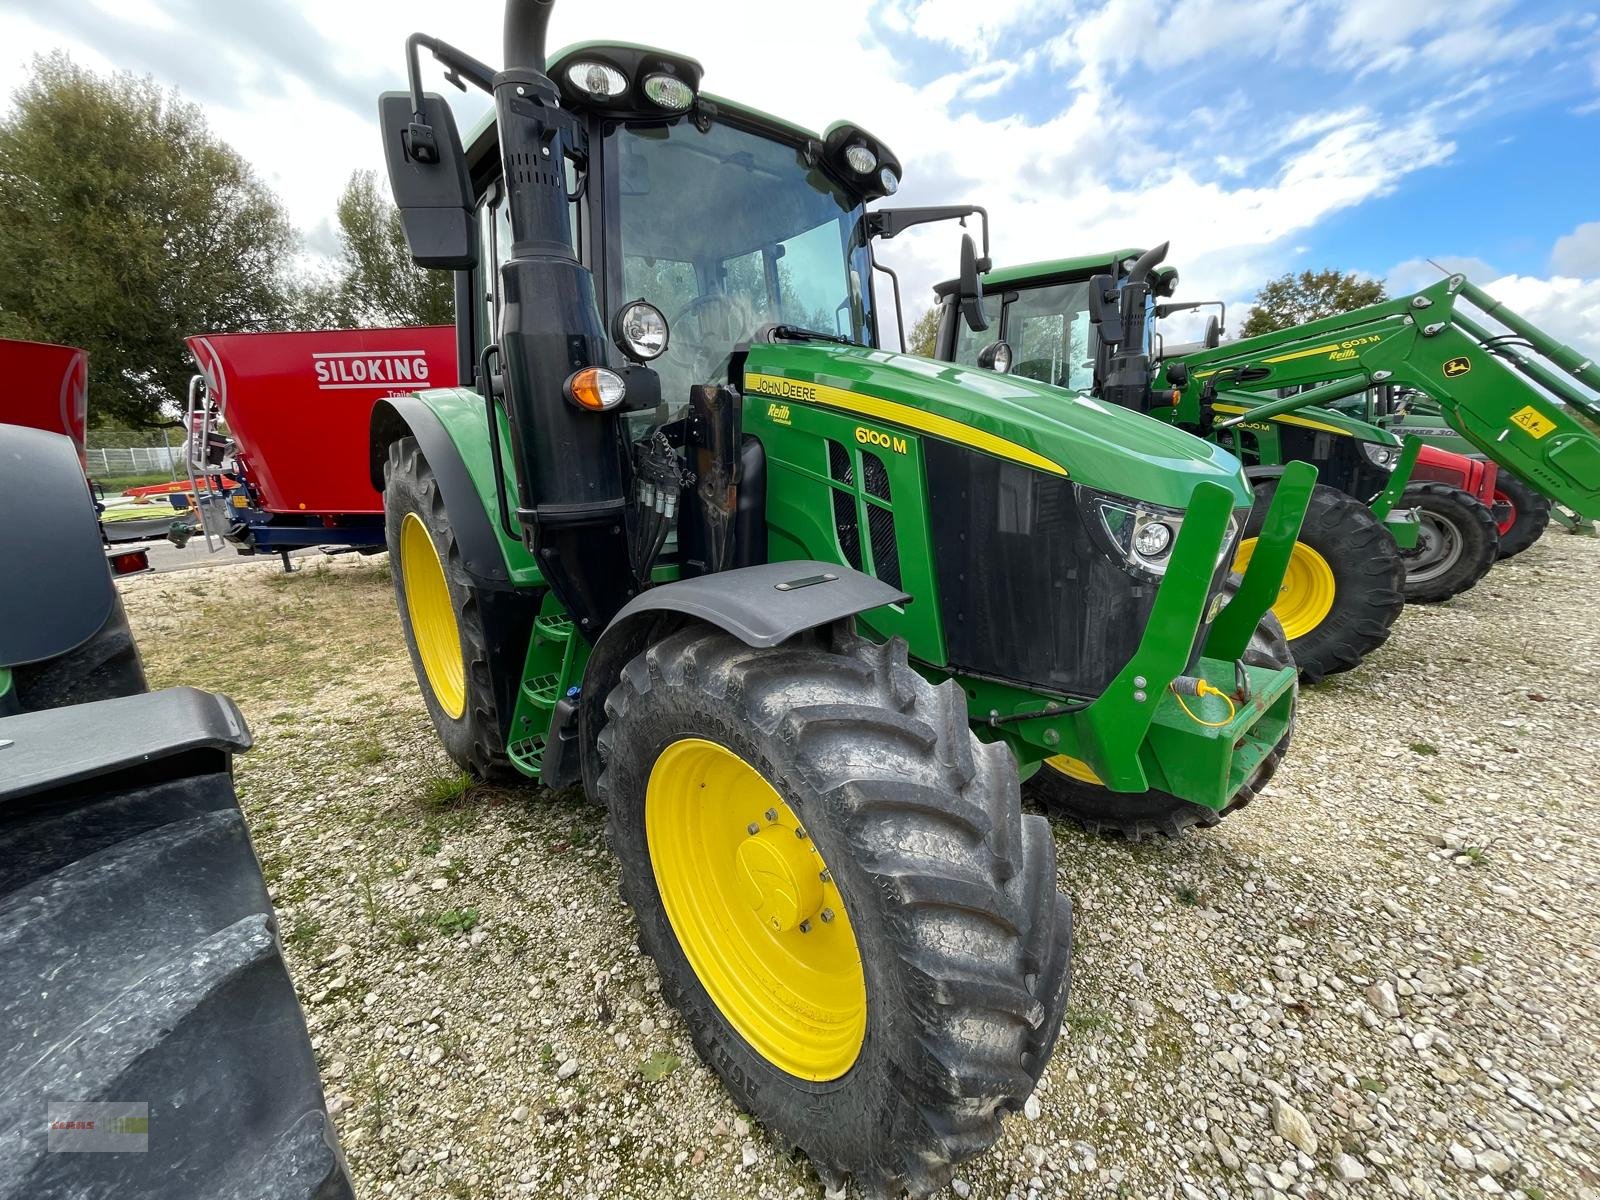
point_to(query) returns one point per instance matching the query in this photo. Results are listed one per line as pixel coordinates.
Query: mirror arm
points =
(460, 68)
(899, 313)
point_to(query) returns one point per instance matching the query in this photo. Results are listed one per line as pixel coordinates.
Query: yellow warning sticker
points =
(1533, 421)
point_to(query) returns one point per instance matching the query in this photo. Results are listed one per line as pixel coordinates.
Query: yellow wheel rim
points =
(1306, 597)
(756, 911)
(432, 616)
(1073, 768)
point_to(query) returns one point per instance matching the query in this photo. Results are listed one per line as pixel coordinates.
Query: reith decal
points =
(1456, 367)
(349, 369)
(778, 414)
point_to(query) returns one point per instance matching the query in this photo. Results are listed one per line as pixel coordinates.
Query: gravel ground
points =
(1381, 979)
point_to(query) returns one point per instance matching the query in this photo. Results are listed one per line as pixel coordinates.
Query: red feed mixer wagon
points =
(286, 416)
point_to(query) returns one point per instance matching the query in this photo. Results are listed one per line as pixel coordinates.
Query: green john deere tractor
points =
(799, 612)
(1371, 537)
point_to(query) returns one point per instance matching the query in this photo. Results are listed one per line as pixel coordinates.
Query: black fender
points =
(395, 417)
(762, 606)
(1262, 474)
(55, 589)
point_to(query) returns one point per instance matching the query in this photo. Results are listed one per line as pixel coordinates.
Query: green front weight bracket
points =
(1258, 590)
(1116, 724)
(1398, 478)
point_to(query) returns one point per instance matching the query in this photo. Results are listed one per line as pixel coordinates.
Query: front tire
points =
(887, 1039)
(1067, 787)
(1530, 514)
(1457, 546)
(439, 615)
(1343, 589)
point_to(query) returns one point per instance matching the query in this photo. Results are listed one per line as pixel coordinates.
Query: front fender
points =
(762, 606)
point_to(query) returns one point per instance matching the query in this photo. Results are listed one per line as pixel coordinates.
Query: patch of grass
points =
(1086, 1020)
(370, 907)
(446, 789)
(1187, 895)
(1432, 797)
(1368, 1084)
(1424, 748)
(456, 921)
(409, 932)
(304, 936)
(368, 751)
(1478, 854)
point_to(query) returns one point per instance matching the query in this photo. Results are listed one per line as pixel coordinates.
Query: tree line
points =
(129, 225)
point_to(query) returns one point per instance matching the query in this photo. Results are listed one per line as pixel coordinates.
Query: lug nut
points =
(805, 926)
(752, 829)
(827, 915)
(826, 876)
(772, 814)
(800, 833)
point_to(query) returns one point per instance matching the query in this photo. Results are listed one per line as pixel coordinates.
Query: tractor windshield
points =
(728, 230)
(1049, 332)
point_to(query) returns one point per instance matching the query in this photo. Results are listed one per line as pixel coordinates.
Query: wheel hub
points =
(780, 877)
(1306, 595)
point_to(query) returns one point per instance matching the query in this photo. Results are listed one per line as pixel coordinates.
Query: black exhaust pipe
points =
(1127, 381)
(570, 464)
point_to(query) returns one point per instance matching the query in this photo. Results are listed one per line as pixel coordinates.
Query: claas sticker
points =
(1457, 367)
(1533, 421)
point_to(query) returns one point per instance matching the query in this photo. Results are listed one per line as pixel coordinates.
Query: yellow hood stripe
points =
(783, 388)
(1287, 419)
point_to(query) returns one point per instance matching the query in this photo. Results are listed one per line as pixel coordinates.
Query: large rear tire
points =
(1457, 545)
(105, 666)
(841, 894)
(1530, 514)
(1068, 788)
(1342, 591)
(439, 615)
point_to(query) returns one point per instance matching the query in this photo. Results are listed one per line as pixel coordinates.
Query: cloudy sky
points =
(1259, 136)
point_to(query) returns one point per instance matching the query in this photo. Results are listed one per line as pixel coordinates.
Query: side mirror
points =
(1213, 337)
(1104, 312)
(971, 296)
(428, 176)
(996, 356)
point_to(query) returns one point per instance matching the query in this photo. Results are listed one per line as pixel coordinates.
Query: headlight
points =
(640, 330)
(1143, 535)
(668, 91)
(1380, 455)
(861, 159)
(598, 80)
(595, 389)
(890, 181)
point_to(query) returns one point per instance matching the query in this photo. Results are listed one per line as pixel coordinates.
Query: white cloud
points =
(1567, 309)
(1578, 252)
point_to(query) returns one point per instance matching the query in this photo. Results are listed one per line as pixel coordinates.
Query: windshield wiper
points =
(799, 333)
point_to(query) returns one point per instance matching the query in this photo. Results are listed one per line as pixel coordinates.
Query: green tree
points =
(376, 283)
(924, 336)
(1292, 299)
(127, 226)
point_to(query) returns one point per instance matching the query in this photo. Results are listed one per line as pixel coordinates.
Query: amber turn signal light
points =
(595, 389)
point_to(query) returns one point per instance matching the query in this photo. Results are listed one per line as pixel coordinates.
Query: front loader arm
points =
(1525, 400)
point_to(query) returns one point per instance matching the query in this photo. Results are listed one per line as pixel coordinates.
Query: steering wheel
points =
(705, 355)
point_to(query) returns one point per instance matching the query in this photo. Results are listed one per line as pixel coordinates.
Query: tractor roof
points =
(1051, 270)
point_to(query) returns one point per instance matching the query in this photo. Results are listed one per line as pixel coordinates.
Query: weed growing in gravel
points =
(368, 751)
(304, 936)
(1187, 895)
(1478, 854)
(456, 921)
(659, 1065)
(446, 789)
(1424, 748)
(409, 932)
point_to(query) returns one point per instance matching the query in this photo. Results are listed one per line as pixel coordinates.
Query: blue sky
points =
(1257, 135)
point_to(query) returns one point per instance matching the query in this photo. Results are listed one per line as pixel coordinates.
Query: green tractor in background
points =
(1432, 366)
(1374, 537)
(799, 612)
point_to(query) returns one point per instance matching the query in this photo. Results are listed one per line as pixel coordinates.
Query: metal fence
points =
(134, 460)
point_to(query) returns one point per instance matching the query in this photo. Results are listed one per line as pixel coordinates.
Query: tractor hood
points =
(1048, 428)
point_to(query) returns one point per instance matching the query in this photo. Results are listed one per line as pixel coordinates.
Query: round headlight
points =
(640, 330)
(595, 389)
(1152, 539)
(1002, 359)
(668, 91)
(861, 159)
(890, 181)
(598, 80)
